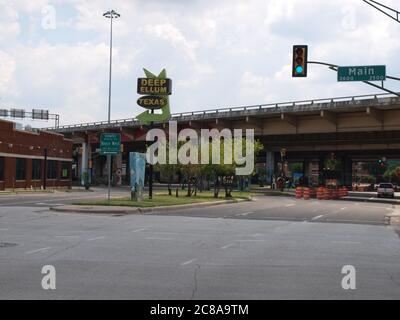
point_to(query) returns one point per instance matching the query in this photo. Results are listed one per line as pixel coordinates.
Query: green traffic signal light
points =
(299, 61)
(299, 69)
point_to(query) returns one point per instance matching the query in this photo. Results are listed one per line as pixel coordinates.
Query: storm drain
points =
(7, 244)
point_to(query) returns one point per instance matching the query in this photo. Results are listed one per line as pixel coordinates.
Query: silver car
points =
(385, 190)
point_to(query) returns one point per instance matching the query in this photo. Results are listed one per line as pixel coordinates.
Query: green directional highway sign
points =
(362, 73)
(110, 143)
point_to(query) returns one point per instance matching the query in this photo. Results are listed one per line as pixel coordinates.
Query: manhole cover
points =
(7, 244)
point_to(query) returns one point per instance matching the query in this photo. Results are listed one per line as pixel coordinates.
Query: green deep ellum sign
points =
(156, 90)
(362, 73)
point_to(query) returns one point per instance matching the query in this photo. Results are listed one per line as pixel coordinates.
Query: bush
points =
(367, 179)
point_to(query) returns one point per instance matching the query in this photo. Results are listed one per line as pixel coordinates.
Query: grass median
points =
(162, 199)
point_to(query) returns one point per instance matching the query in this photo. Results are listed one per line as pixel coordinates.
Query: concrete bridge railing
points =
(253, 110)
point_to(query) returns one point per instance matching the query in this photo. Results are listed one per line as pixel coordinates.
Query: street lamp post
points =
(384, 9)
(111, 14)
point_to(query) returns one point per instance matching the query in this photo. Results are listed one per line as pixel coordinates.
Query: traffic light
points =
(300, 54)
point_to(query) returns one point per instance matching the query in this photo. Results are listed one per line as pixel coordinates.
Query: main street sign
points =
(362, 73)
(110, 143)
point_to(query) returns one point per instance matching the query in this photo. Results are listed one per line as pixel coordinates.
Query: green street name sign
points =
(110, 143)
(362, 73)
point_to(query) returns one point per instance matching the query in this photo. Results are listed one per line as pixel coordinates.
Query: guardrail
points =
(208, 112)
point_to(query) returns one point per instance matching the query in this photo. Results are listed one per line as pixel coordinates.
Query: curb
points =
(374, 200)
(130, 210)
(394, 218)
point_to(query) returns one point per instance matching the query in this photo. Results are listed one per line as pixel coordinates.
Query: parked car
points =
(385, 190)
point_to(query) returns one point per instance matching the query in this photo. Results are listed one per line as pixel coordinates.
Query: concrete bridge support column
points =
(270, 165)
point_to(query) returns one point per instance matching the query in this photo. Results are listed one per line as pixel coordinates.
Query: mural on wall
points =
(137, 165)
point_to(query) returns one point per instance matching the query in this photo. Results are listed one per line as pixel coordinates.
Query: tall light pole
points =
(111, 14)
(384, 9)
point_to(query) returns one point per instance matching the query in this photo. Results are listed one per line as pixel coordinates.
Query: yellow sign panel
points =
(152, 102)
(154, 86)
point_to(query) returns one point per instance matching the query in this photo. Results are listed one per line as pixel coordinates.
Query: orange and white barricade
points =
(320, 193)
(327, 194)
(299, 192)
(306, 194)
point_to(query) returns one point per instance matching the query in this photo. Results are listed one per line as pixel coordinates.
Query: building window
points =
(1, 168)
(65, 170)
(36, 172)
(20, 169)
(51, 169)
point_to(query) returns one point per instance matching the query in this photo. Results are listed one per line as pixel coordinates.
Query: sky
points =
(54, 55)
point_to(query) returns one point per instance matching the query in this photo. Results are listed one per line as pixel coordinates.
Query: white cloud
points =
(218, 53)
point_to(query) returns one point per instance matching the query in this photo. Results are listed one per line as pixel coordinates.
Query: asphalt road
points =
(262, 208)
(291, 209)
(227, 253)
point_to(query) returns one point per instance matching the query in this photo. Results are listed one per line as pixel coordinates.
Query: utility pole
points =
(110, 15)
(151, 167)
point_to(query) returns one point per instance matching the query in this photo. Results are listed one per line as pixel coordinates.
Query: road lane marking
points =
(66, 236)
(154, 238)
(188, 262)
(38, 250)
(244, 213)
(3, 229)
(97, 238)
(344, 208)
(250, 240)
(171, 233)
(227, 246)
(317, 217)
(138, 230)
(289, 205)
(347, 242)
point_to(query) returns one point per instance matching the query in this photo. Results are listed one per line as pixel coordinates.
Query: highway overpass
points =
(354, 130)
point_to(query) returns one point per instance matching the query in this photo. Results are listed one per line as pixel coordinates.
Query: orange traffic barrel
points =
(334, 194)
(345, 192)
(327, 194)
(306, 194)
(320, 193)
(313, 193)
(299, 192)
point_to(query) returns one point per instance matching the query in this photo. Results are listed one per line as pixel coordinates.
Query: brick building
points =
(23, 154)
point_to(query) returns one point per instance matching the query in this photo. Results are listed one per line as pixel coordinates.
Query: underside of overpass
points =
(355, 131)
